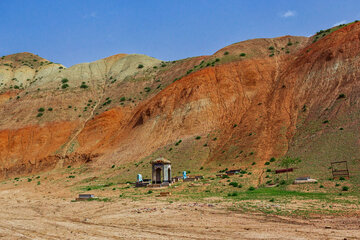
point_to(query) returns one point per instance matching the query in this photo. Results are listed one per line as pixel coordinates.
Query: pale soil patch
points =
(25, 214)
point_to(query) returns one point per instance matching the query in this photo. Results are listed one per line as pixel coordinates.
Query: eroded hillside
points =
(243, 104)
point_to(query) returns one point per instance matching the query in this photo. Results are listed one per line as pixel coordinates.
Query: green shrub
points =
(83, 85)
(140, 66)
(224, 170)
(271, 48)
(122, 99)
(65, 86)
(242, 54)
(178, 142)
(345, 188)
(147, 89)
(41, 109)
(50, 109)
(341, 178)
(64, 80)
(272, 159)
(253, 163)
(234, 184)
(149, 192)
(251, 188)
(226, 53)
(282, 182)
(39, 114)
(289, 43)
(272, 200)
(336, 185)
(268, 170)
(321, 186)
(341, 96)
(113, 166)
(267, 163)
(234, 194)
(198, 137)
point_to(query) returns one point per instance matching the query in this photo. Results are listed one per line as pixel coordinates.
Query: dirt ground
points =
(26, 214)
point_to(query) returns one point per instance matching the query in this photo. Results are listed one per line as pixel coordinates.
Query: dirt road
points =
(29, 215)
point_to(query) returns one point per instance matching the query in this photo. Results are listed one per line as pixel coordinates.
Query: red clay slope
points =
(253, 104)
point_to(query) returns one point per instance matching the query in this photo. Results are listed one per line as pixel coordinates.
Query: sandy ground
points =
(27, 215)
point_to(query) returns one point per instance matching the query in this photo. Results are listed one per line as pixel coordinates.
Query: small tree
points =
(289, 161)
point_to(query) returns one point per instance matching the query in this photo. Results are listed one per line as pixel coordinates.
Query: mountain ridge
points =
(244, 103)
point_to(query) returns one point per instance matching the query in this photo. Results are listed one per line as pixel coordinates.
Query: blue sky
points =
(76, 31)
